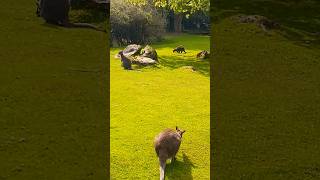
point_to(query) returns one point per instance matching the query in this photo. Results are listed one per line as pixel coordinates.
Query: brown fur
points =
(166, 145)
(203, 54)
(179, 49)
(126, 62)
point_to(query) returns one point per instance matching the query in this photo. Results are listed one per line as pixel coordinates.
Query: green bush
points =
(135, 24)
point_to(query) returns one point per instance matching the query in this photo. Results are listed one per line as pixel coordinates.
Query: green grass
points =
(265, 98)
(300, 19)
(147, 100)
(52, 98)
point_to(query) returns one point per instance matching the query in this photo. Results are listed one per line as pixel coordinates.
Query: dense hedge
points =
(135, 24)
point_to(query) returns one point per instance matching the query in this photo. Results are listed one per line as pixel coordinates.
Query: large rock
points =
(148, 55)
(149, 52)
(143, 60)
(132, 50)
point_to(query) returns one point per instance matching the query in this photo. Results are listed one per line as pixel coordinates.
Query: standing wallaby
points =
(126, 62)
(57, 12)
(166, 145)
(179, 49)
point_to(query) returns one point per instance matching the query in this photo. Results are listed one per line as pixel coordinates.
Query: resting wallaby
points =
(57, 12)
(203, 54)
(166, 145)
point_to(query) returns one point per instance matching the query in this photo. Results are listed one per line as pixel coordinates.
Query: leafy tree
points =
(180, 8)
(135, 24)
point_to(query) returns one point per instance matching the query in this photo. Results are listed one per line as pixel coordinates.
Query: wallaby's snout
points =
(166, 145)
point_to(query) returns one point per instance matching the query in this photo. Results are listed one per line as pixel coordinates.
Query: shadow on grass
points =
(299, 18)
(140, 66)
(201, 66)
(180, 169)
(167, 43)
(51, 25)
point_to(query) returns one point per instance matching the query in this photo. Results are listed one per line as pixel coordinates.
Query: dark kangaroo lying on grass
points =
(179, 49)
(57, 12)
(166, 145)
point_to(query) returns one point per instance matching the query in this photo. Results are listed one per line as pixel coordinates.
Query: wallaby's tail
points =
(86, 25)
(162, 168)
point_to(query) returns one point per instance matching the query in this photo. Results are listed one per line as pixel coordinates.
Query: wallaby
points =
(57, 12)
(166, 145)
(203, 54)
(126, 62)
(179, 49)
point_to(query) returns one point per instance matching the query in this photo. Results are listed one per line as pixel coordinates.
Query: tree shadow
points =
(201, 66)
(139, 67)
(300, 19)
(180, 169)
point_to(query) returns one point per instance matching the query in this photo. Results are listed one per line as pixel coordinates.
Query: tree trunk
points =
(178, 23)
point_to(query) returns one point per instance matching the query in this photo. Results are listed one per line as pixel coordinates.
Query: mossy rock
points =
(132, 50)
(141, 60)
(149, 52)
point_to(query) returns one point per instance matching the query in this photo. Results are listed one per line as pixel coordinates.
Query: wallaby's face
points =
(180, 131)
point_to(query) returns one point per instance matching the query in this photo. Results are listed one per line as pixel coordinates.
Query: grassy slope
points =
(145, 102)
(52, 113)
(266, 102)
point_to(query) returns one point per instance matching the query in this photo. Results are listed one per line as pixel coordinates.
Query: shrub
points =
(135, 24)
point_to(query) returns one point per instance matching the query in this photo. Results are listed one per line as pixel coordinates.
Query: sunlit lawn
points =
(144, 101)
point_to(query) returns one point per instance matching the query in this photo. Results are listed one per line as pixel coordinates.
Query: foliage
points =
(185, 6)
(198, 22)
(179, 6)
(135, 24)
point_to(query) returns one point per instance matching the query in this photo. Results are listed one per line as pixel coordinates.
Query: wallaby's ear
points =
(183, 131)
(177, 128)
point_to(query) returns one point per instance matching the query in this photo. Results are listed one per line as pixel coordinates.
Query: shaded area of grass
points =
(52, 98)
(201, 66)
(180, 169)
(300, 19)
(265, 104)
(147, 100)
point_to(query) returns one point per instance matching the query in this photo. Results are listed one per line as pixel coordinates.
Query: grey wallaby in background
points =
(167, 144)
(179, 49)
(126, 62)
(57, 12)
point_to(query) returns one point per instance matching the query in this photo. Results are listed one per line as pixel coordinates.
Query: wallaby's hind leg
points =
(162, 168)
